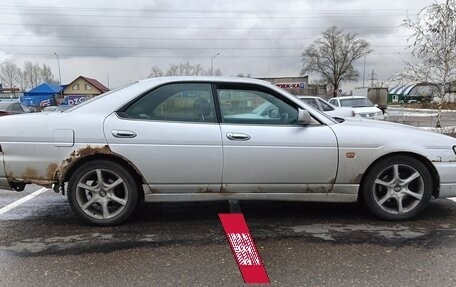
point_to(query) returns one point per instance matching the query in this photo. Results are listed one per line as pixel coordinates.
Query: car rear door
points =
(172, 136)
(271, 152)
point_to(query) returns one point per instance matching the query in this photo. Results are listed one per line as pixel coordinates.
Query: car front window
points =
(254, 107)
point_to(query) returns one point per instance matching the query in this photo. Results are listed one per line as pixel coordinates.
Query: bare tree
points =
(31, 75)
(34, 74)
(28, 78)
(21, 78)
(9, 73)
(433, 43)
(155, 72)
(173, 70)
(198, 70)
(47, 76)
(333, 56)
(184, 69)
(217, 72)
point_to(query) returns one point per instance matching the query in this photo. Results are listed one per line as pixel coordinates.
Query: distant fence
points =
(420, 117)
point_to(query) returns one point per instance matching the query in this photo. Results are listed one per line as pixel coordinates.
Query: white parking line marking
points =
(452, 199)
(22, 200)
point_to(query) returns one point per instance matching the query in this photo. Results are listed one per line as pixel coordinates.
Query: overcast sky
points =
(122, 40)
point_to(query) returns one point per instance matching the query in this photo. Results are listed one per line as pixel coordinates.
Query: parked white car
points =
(362, 106)
(204, 138)
(326, 107)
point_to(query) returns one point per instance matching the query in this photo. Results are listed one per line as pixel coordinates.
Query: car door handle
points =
(123, 134)
(237, 136)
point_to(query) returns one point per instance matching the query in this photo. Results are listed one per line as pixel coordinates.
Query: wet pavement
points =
(42, 243)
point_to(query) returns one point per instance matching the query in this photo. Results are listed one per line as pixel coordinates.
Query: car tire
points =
(397, 188)
(110, 203)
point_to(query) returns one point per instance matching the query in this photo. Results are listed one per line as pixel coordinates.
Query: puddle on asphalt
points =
(395, 235)
(391, 235)
(324, 231)
(97, 243)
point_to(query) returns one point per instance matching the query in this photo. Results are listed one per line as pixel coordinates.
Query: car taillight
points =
(3, 113)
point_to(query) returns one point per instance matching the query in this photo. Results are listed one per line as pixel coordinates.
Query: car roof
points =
(212, 79)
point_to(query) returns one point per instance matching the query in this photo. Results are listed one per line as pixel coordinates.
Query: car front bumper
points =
(447, 175)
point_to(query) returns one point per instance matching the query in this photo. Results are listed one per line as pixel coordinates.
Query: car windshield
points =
(356, 102)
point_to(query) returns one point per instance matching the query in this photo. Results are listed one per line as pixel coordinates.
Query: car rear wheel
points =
(103, 192)
(397, 188)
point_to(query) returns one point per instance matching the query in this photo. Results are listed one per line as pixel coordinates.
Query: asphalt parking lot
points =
(42, 243)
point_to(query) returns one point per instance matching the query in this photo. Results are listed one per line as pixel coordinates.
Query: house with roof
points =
(41, 96)
(82, 89)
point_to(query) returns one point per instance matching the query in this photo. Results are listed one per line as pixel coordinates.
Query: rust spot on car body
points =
(357, 179)
(204, 190)
(30, 173)
(89, 150)
(317, 189)
(59, 172)
(51, 170)
(224, 189)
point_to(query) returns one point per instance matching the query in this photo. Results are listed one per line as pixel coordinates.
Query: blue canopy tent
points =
(42, 95)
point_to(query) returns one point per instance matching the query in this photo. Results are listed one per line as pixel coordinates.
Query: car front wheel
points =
(397, 188)
(102, 192)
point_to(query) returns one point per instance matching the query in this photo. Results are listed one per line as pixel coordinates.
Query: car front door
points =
(266, 150)
(172, 136)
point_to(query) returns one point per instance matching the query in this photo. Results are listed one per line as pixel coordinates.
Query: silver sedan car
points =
(213, 138)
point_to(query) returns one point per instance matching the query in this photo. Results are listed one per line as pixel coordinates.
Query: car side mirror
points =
(304, 117)
(376, 105)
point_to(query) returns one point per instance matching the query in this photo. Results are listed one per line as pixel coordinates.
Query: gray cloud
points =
(263, 38)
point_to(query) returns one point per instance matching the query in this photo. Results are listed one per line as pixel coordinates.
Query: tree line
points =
(27, 77)
(184, 69)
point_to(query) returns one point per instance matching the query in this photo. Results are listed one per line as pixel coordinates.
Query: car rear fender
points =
(89, 153)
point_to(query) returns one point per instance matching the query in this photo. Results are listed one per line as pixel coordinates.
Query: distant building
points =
(413, 93)
(41, 96)
(9, 94)
(82, 89)
(298, 86)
